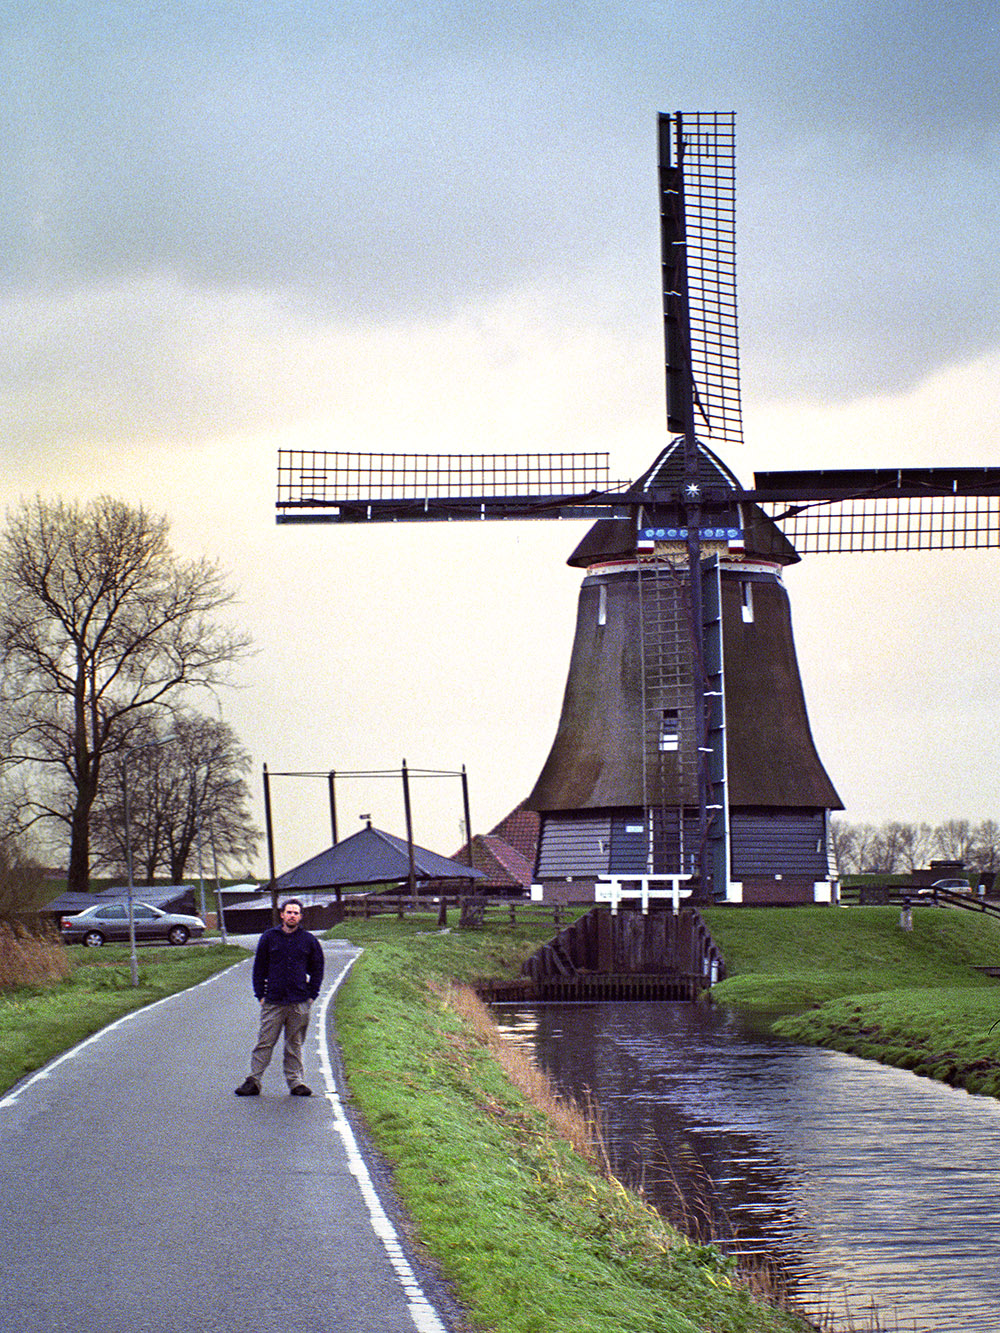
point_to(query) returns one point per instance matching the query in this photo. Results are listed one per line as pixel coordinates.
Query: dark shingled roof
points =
(370, 857)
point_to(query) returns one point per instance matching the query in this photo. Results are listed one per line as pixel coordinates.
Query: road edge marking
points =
(425, 1318)
(11, 1097)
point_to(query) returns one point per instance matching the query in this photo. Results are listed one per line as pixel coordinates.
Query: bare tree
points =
(869, 847)
(99, 624)
(954, 840)
(897, 846)
(888, 848)
(914, 843)
(985, 852)
(134, 796)
(844, 841)
(882, 851)
(187, 792)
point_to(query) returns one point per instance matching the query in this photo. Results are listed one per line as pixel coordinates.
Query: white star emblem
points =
(692, 490)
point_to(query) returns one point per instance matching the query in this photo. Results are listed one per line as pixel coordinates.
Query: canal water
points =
(871, 1186)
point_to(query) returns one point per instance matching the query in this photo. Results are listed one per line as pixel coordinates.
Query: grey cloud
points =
(407, 160)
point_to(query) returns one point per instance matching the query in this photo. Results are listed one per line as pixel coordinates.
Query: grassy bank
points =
(859, 983)
(38, 1022)
(533, 1235)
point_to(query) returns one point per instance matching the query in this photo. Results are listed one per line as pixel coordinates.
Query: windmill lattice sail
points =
(698, 257)
(883, 524)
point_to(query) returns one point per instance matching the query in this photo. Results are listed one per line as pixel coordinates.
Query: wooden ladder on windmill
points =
(669, 756)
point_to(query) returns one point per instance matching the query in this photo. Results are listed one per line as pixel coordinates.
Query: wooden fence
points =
(473, 911)
(874, 895)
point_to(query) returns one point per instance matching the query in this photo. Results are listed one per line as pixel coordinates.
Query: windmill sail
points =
(698, 256)
(885, 509)
(320, 486)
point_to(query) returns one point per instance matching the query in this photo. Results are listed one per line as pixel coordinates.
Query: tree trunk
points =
(78, 873)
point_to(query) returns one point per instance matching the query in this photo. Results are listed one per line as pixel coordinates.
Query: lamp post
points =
(133, 957)
(218, 883)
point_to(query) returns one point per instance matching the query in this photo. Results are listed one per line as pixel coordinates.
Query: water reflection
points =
(871, 1184)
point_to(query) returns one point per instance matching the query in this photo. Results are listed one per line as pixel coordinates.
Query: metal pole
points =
(409, 832)
(331, 776)
(269, 826)
(201, 871)
(468, 820)
(201, 875)
(133, 959)
(218, 885)
(468, 826)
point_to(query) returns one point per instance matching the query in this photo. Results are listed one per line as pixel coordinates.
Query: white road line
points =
(48, 1070)
(423, 1314)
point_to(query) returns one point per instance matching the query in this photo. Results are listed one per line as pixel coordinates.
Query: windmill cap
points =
(615, 538)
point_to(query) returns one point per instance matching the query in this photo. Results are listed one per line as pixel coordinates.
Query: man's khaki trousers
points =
(294, 1018)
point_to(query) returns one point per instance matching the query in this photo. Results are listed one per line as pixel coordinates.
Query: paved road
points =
(141, 1196)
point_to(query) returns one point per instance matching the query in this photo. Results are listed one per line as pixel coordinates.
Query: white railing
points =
(613, 891)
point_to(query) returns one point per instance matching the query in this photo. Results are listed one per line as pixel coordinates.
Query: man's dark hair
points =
(288, 903)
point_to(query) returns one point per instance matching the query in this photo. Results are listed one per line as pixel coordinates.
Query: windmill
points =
(683, 746)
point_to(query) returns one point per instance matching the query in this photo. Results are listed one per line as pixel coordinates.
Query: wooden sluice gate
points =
(593, 986)
(628, 955)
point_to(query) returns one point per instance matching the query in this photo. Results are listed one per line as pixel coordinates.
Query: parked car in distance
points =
(109, 921)
(949, 885)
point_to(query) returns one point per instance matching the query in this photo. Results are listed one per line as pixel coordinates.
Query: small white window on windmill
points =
(670, 730)
(746, 601)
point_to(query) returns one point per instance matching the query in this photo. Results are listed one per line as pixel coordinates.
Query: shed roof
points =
(370, 857)
(507, 853)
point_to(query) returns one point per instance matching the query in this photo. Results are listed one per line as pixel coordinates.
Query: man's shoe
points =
(300, 1090)
(248, 1088)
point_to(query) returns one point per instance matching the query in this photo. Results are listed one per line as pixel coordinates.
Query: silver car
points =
(109, 921)
(949, 886)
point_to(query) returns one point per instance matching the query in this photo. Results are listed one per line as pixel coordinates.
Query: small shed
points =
(506, 855)
(371, 857)
(367, 858)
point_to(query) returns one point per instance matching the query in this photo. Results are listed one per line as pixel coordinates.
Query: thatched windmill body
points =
(683, 746)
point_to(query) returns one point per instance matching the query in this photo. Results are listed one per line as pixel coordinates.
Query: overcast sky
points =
(226, 229)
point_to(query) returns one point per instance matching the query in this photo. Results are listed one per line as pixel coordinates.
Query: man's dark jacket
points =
(287, 968)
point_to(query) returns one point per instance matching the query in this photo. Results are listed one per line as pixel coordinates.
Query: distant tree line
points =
(896, 847)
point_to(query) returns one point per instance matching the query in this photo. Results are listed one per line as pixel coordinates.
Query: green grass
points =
(947, 1033)
(471, 956)
(37, 1023)
(533, 1237)
(852, 980)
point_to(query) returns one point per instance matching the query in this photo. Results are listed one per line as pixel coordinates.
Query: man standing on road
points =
(287, 975)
